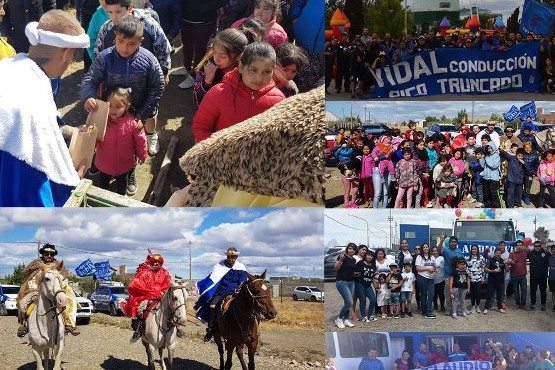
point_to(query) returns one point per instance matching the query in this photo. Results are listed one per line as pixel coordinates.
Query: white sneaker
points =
(485, 311)
(468, 196)
(339, 323)
(372, 318)
(478, 309)
(187, 83)
(364, 319)
(348, 323)
(153, 144)
(181, 71)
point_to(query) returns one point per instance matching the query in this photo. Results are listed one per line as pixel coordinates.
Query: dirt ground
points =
(175, 117)
(104, 344)
(512, 320)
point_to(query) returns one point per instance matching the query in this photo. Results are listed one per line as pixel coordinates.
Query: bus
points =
(485, 233)
(348, 348)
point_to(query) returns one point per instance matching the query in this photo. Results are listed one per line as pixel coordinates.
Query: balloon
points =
(458, 212)
(482, 215)
(469, 217)
(527, 241)
(476, 217)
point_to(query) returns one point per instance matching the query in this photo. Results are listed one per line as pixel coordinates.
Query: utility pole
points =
(38, 248)
(190, 263)
(390, 219)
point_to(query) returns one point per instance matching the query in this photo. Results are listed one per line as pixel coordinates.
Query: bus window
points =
(485, 230)
(356, 344)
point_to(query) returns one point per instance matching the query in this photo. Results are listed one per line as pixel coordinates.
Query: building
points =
(547, 118)
(429, 13)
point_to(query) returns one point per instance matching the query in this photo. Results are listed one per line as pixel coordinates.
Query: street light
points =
(405, 28)
(367, 228)
(390, 219)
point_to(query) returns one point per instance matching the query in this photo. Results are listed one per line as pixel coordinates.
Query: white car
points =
(84, 309)
(8, 295)
(308, 293)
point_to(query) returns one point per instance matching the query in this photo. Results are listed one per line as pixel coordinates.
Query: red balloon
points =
(458, 212)
(527, 241)
(469, 217)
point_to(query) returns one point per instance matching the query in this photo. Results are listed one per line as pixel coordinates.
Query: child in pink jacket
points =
(382, 156)
(123, 142)
(366, 169)
(266, 11)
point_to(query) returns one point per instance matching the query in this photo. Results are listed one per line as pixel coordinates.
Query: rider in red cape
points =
(150, 283)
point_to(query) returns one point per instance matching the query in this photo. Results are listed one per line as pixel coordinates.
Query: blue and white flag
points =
(512, 114)
(207, 287)
(103, 271)
(86, 268)
(528, 109)
(536, 18)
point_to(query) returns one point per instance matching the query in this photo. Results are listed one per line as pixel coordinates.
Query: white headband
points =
(60, 40)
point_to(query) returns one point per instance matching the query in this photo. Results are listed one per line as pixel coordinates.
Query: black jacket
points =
(539, 263)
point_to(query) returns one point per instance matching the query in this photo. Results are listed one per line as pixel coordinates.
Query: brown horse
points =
(238, 324)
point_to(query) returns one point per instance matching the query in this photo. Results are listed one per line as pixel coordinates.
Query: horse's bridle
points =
(174, 321)
(52, 301)
(256, 310)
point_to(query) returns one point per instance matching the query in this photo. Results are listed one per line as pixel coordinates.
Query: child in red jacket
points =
(123, 142)
(244, 92)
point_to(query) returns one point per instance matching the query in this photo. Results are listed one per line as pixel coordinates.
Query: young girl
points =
(546, 175)
(383, 295)
(407, 178)
(123, 142)
(367, 165)
(420, 155)
(266, 11)
(244, 92)
(383, 170)
(476, 264)
(224, 56)
(457, 165)
(290, 59)
(447, 187)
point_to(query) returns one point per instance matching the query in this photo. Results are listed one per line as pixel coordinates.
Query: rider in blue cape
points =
(225, 278)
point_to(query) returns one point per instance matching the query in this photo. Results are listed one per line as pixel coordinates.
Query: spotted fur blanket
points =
(277, 153)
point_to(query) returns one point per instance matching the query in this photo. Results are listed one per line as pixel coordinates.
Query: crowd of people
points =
(238, 56)
(502, 356)
(440, 275)
(416, 169)
(350, 59)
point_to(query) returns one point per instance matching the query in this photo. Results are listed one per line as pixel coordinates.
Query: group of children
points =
(241, 75)
(409, 169)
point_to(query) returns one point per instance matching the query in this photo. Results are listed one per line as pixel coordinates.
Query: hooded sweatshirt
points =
(491, 163)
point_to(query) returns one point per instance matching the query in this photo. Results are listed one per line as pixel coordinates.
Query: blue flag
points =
(512, 114)
(536, 18)
(102, 271)
(86, 268)
(528, 109)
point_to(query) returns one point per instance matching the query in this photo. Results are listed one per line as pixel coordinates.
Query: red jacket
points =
(122, 142)
(231, 102)
(146, 284)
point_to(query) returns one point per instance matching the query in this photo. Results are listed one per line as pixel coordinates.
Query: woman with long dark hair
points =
(345, 283)
(425, 265)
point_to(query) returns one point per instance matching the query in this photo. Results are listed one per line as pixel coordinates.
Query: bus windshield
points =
(485, 230)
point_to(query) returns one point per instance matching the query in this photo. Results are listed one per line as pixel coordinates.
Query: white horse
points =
(46, 327)
(161, 324)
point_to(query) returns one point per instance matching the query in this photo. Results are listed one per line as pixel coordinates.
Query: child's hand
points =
(209, 72)
(90, 105)
(139, 124)
(140, 160)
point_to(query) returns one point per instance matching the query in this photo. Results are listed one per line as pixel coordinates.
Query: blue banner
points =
(86, 268)
(536, 18)
(512, 114)
(103, 271)
(460, 365)
(461, 71)
(528, 109)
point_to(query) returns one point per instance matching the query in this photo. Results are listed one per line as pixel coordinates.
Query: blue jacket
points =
(141, 73)
(531, 164)
(475, 166)
(515, 172)
(491, 163)
(367, 364)
(154, 41)
(230, 282)
(343, 154)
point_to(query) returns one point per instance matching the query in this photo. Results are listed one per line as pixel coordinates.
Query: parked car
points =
(84, 309)
(308, 293)
(329, 266)
(375, 129)
(109, 298)
(8, 295)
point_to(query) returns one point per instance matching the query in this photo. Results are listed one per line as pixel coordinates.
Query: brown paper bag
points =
(81, 147)
(99, 118)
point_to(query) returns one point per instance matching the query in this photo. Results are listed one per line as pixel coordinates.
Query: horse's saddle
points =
(226, 303)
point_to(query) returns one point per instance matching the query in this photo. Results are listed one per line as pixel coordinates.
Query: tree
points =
(16, 278)
(496, 117)
(386, 16)
(462, 115)
(542, 234)
(512, 22)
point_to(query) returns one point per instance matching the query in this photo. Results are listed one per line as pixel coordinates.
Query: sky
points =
(341, 226)
(398, 111)
(286, 241)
